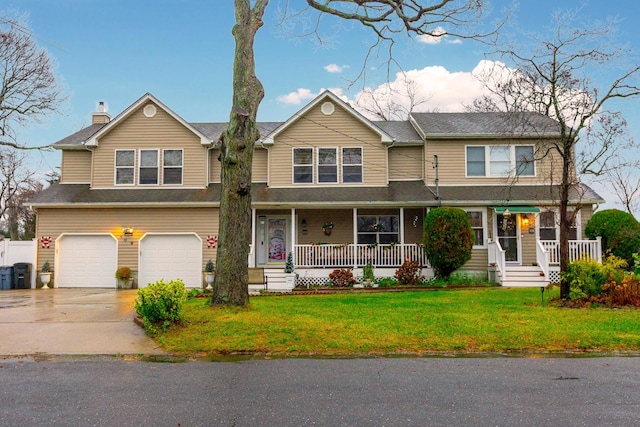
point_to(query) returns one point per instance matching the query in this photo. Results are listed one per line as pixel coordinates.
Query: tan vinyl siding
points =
(259, 165)
(54, 222)
(340, 130)
(452, 163)
(342, 232)
(528, 243)
(76, 167)
(585, 215)
(158, 132)
(405, 163)
(478, 261)
(215, 166)
(413, 233)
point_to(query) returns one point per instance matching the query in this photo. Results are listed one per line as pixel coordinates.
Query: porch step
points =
(276, 281)
(525, 276)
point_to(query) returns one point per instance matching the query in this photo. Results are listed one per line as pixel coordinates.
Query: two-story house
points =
(336, 189)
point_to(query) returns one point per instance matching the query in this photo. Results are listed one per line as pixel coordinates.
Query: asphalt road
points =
(597, 391)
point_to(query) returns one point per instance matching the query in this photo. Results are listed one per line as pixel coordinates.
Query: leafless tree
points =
(16, 182)
(386, 19)
(555, 78)
(391, 101)
(30, 90)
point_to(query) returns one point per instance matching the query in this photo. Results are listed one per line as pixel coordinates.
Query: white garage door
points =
(171, 256)
(87, 261)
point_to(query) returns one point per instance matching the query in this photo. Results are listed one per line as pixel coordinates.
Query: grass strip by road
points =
(477, 320)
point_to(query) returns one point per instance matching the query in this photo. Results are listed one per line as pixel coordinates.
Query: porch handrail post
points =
(251, 262)
(355, 238)
(294, 237)
(599, 249)
(402, 248)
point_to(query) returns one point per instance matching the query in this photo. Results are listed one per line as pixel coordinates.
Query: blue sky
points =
(182, 51)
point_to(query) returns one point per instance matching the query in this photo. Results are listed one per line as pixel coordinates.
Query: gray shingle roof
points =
(398, 193)
(485, 124)
(401, 131)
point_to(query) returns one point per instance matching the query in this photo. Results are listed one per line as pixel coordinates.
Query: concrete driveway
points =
(71, 321)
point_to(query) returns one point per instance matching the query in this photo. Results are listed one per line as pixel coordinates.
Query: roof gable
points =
(325, 96)
(92, 141)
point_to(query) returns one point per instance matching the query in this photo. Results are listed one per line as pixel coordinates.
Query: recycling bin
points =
(6, 277)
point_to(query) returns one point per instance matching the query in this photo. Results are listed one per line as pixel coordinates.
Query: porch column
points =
(402, 251)
(355, 237)
(252, 250)
(294, 237)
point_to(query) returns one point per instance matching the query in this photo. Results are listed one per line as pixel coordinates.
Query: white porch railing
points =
(498, 258)
(578, 249)
(542, 257)
(353, 255)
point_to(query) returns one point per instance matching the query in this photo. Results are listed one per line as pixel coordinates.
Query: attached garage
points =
(170, 256)
(86, 261)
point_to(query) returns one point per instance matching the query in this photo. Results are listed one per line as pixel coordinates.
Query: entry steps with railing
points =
(523, 277)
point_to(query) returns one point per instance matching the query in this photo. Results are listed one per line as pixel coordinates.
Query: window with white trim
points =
(327, 165)
(172, 167)
(148, 171)
(373, 229)
(125, 166)
(549, 225)
(352, 165)
(476, 217)
(303, 165)
(500, 160)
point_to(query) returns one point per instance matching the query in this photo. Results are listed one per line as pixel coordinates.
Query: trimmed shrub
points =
(160, 304)
(619, 230)
(448, 239)
(342, 277)
(409, 273)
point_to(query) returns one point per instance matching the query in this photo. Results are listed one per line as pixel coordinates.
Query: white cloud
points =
(297, 97)
(443, 90)
(335, 68)
(437, 38)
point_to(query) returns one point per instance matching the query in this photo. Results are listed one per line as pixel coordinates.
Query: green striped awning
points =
(517, 209)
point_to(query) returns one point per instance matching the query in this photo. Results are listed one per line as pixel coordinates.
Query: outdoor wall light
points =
(303, 223)
(127, 232)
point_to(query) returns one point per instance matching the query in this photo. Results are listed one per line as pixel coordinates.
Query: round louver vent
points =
(150, 110)
(328, 108)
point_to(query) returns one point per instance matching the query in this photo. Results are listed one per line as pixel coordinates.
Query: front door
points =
(273, 244)
(508, 237)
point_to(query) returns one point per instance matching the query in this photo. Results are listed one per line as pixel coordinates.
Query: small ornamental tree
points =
(448, 239)
(619, 230)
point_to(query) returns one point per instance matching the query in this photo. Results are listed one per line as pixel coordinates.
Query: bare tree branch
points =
(29, 89)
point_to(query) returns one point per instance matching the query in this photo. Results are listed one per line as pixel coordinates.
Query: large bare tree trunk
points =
(236, 154)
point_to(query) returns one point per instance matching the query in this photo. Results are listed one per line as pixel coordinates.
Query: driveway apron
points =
(71, 321)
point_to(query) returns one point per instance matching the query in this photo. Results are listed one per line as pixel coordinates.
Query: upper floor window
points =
(172, 167)
(500, 160)
(148, 173)
(125, 166)
(352, 165)
(374, 229)
(303, 165)
(327, 165)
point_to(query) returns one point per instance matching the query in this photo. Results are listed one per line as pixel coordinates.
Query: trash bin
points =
(22, 275)
(6, 277)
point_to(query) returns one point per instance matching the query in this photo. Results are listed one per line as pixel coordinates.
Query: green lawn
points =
(478, 320)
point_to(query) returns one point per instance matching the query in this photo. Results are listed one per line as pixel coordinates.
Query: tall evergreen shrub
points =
(448, 239)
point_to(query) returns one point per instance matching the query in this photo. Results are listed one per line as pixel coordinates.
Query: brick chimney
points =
(101, 116)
